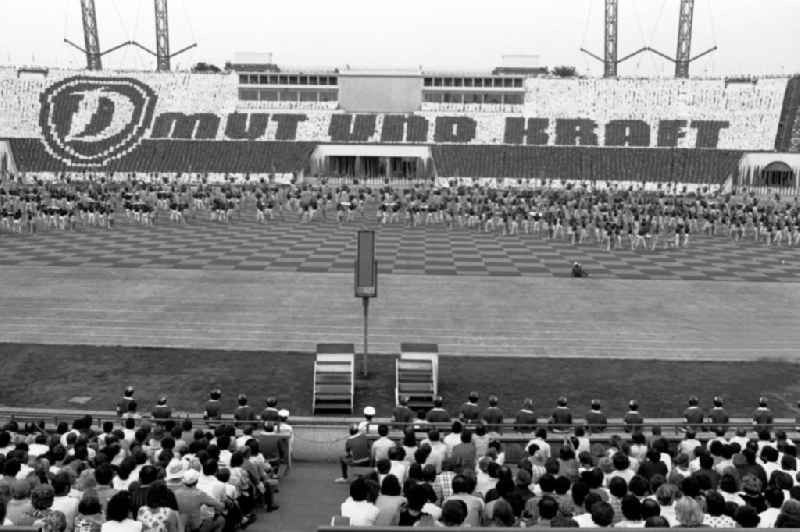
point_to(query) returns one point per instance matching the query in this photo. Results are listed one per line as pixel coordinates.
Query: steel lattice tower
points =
(610, 53)
(91, 41)
(162, 36)
(683, 54)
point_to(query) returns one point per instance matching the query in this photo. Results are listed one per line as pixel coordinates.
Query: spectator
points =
(158, 514)
(602, 514)
(413, 511)
(631, 510)
(665, 496)
(561, 418)
(138, 490)
(357, 508)
(751, 493)
(454, 512)
(62, 502)
(389, 502)
(653, 465)
(633, 418)
(357, 452)
(463, 487)
(104, 475)
(493, 416)
(381, 446)
(90, 516)
(584, 519)
(688, 513)
(118, 515)
(402, 414)
(525, 421)
(19, 508)
(746, 517)
(470, 411)
(774, 498)
(438, 450)
(656, 521)
(502, 515)
(789, 516)
(44, 517)
(464, 452)
(437, 414)
(191, 500)
(443, 485)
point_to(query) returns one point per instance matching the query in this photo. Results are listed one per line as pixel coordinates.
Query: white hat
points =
(369, 410)
(175, 469)
(191, 477)
(283, 413)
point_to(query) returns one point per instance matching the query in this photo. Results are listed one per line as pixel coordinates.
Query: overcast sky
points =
(754, 36)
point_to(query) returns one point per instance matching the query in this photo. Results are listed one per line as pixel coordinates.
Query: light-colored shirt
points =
(128, 525)
(768, 517)
(361, 513)
(67, 506)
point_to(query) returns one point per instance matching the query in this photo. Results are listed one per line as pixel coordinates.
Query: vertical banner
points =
(366, 270)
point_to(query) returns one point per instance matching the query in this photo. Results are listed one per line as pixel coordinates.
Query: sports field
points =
(243, 306)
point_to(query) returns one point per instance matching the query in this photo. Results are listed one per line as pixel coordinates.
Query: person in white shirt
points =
(454, 437)
(689, 443)
(665, 496)
(541, 441)
(774, 497)
(62, 483)
(381, 446)
(438, 450)
(399, 466)
(209, 483)
(367, 426)
(357, 508)
(118, 515)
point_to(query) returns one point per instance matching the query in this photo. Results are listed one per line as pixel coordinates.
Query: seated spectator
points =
(688, 513)
(463, 486)
(751, 493)
(715, 512)
(357, 452)
(774, 498)
(19, 508)
(357, 508)
(157, 514)
(118, 515)
(656, 521)
(602, 514)
(653, 465)
(789, 517)
(90, 516)
(502, 515)
(454, 512)
(746, 517)
(414, 510)
(381, 446)
(584, 519)
(389, 502)
(464, 452)
(665, 496)
(191, 504)
(631, 510)
(44, 517)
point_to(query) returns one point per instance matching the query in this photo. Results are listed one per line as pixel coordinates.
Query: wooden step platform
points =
(334, 379)
(417, 375)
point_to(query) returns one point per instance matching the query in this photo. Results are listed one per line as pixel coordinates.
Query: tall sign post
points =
(366, 280)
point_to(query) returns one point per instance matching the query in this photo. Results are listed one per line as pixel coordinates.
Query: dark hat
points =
(242, 399)
(693, 400)
(216, 393)
(493, 400)
(438, 401)
(162, 400)
(595, 404)
(403, 400)
(762, 401)
(633, 405)
(129, 391)
(271, 401)
(717, 400)
(473, 396)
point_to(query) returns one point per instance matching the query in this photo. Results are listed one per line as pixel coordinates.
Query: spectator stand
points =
(334, 378)
(417, 375)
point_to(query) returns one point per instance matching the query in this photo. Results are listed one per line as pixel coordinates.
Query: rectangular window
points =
(308, 96)
(283, 80)
(492, 98)
(437, 82)
(428, 82)
(248, 94)
(473, 97)
(448, 82)
(433, 97)
(243, 79)
(498, 82)
(468, 82)
(487, 82)
(508, 83)
(458, 82)
(268, 95)
(292, 80)
(288, 95)
(513, 99)
(517, 83)
(478, 82)
(313, 80)
(333, 81)
(273, 80)
(303, 80)
(253, 79)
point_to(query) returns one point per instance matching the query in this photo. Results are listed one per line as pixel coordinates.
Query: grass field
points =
(50, 375)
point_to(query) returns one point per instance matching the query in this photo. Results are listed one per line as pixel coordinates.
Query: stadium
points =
(575, 257)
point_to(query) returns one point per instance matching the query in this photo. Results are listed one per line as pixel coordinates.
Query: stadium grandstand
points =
(587, 315)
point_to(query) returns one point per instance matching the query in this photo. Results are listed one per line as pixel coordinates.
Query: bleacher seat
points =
(417, 375)
(334, 378)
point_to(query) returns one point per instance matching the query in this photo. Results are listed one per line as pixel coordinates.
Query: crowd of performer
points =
(613, 218)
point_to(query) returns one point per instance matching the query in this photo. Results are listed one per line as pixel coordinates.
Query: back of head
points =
(453, 513)
(656, 522)
(631, 508)
(650, 508)
(746, 517)
(688, 512)
(548, 507)
(358, 489)
(602, 514)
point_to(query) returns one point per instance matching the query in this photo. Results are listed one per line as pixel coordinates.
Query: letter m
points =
(183, 126)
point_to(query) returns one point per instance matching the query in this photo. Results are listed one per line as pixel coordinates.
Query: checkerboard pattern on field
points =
(325, 246)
